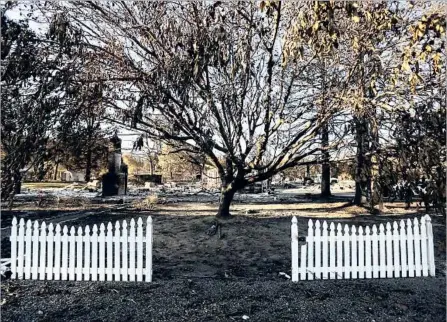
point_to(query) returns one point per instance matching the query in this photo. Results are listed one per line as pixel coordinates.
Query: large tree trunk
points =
(88, 168)
(360, 171)
(151, 165)
(226, 197)
(326, 167)
(55, 171)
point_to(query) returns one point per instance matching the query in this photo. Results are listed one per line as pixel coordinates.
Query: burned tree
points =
(209, 77)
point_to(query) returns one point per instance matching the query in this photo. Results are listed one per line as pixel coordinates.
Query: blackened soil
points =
(418, 299)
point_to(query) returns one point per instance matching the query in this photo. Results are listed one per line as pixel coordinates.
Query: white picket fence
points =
(51, 253)
(401, 250)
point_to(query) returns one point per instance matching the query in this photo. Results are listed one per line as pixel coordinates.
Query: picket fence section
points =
(52, 253)
(398, 250)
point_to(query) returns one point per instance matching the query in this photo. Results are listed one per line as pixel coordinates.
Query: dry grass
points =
(308, 209)
(148, 203)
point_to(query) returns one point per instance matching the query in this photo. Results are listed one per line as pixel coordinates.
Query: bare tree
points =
(209, 77)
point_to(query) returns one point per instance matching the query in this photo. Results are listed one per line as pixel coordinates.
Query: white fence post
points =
(417, 247)
(317, 269)
(140, 250)
(310, 251)
(332, 246)
(87, 262)
(430, 246)
(375, 251)
(28, 250)
(21, 249)
(325, 251)
(362, 255)
(57, 253)
(396, 249)
(35, 264)
(403, 249)
(125, 246)
(72, 256)
(424, 252)
(132, 251)
(295, 259)
(149, 239)
(410, 240)
(382, 251)
(389, 251)
(64, 268)
(102, 252)
(79, 255)
(109, 242)
(346, 240)
(42, 254)
(94, 239)
(339, 252)
(50, 241)
(117, 268)
(354, 265)
(13, 240)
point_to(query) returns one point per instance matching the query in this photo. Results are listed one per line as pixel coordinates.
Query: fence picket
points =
(132, 251)
(347, 264)
(102, 252)
(332, 245)
(72, 255)
(310, 251)
(43, 253)
(382, 251)
(35, 247)
(79, 241)
(317, 250)
(339, 252)
(325, 252)
(140, 250)
(403, 249)
(50, 258)
(87, 241)
(424, 252)
(295, 258)
(125, 272)
(116, 270)
(396, 248)
(375, 251)
(13, 239)
(94, 253)
(431, 254)
(57, 253)
(368, 267)
(361, 252)
(417, 247)
(109, 242)
(64, 268)
(21, 250)
(389, 251)
(410, 241)
(28, 250)
(354, 265)
(149, 238)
